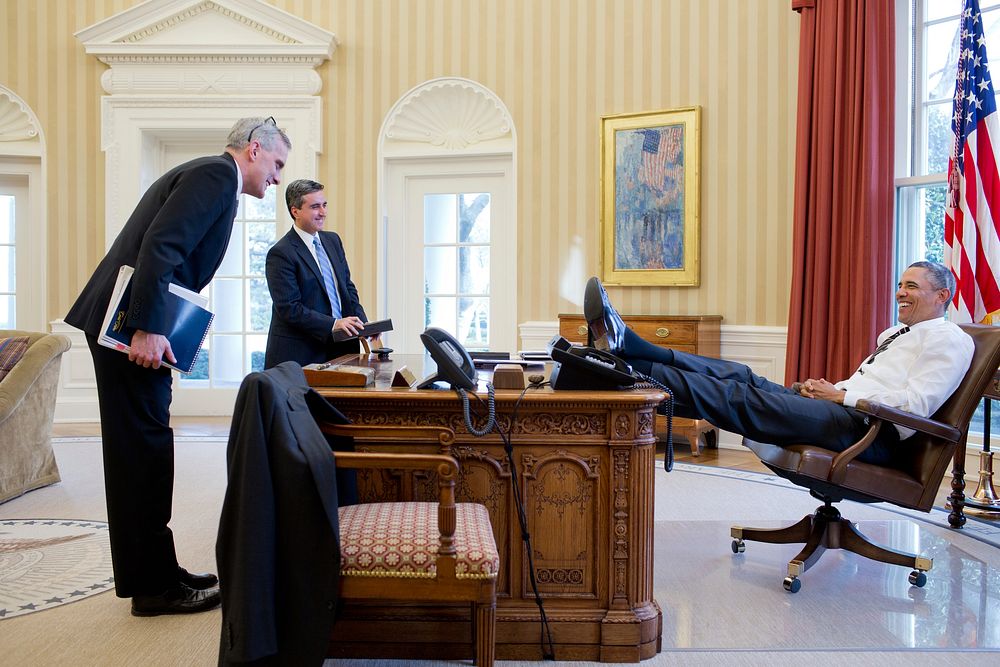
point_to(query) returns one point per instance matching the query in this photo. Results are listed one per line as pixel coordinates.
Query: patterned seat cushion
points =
(401, 540)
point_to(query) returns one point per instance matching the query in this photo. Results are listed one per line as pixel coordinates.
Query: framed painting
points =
(649, 198)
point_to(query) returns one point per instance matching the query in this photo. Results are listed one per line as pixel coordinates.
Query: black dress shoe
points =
(197, 581)
(180, 600)
(606, 327)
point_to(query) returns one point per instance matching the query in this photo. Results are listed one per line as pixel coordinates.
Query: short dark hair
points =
(940, 275)
(297, 191)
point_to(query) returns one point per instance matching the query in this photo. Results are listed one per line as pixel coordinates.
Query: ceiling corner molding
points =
(451, 114)
(208, 47)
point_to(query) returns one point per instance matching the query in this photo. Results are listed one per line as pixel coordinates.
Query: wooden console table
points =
(698, 334)
(585, 463)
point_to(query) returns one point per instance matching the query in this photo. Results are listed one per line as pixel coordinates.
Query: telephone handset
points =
(587, 367)
(454, 365)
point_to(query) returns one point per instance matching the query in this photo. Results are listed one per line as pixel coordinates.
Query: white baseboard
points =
(76, 400)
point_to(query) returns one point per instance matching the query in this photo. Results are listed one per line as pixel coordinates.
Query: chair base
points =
(827, 529)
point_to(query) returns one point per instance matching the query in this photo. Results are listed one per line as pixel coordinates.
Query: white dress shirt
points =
(917, 372)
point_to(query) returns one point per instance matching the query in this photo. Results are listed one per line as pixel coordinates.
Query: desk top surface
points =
(421, 366)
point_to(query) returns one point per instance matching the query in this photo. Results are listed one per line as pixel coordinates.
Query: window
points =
(239, 297)
(8, 287)
(932, 35)
(457, 265)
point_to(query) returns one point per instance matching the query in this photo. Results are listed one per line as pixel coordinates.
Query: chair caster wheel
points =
(739, 546)
(918, 578)
(792, 584)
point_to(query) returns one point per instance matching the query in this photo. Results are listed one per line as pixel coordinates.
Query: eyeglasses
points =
(269, 119)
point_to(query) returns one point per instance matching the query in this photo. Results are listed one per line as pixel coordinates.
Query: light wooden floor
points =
(722, 457)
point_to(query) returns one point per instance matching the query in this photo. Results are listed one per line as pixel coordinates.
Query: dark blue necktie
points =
(326, 269)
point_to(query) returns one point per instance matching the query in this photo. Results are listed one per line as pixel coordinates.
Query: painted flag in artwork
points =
(660, 148)
(972, 209)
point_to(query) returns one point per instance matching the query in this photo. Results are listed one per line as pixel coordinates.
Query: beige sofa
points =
(27, 406)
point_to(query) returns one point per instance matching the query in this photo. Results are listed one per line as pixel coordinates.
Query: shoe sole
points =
(169, 612)
(593, 300)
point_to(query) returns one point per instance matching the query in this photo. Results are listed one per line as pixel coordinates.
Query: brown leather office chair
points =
(412, 551)
(913, 482)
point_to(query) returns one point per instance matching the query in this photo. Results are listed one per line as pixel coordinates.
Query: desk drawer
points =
(671, 334)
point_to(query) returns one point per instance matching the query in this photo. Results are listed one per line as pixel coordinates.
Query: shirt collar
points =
(306, 237)
(933, 322)
(239, 179)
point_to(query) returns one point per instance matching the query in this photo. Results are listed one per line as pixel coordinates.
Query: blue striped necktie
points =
(327, 270)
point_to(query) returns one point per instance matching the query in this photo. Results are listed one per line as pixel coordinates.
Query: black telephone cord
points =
(665, 408)
(545, 637)
(492, 406)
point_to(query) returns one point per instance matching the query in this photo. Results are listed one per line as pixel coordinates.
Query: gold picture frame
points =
(650, 172)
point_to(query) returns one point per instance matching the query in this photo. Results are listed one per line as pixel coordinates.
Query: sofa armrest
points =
(22, 377)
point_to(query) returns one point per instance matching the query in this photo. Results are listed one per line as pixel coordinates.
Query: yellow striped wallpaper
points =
(558, 65)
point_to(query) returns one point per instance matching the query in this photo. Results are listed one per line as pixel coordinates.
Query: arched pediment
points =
(450, 114)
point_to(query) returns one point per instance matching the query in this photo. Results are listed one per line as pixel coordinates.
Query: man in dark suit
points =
(310, 283)
(178, 233)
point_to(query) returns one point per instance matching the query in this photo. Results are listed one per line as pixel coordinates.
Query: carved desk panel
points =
(584, 464)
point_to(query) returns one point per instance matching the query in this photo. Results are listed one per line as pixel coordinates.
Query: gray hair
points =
(940, 275)
(264, 130)
(296, 191)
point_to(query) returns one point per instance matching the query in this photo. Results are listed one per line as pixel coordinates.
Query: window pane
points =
(940, 139)
(255, 353)
(474, 270)
(475, 218)
(8, 312)
(439, 218)
(260, 305)
(939, 9)
(232, 263)
(227, 301)
(227, 361)
(261, 209)
(439, 311)
(941, 56)
(439, 270)
(260, 238)
(6, 219)
(7, 267)
(921, 223)
(474, 322)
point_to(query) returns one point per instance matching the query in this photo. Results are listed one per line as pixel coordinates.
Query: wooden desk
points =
(697, 334)
(585, 463)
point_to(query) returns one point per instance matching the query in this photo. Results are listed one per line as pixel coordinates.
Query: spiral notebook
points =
(186, 313)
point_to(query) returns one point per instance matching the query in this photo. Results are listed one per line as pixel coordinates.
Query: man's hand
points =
(148, 349)
(351, 326)
(823, 390)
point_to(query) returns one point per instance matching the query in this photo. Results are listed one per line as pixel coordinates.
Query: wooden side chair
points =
(440, 552)
(912, 481)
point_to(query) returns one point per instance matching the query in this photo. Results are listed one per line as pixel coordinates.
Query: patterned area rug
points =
(45, 563)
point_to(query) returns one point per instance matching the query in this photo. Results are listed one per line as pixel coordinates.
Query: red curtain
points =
(842, 282)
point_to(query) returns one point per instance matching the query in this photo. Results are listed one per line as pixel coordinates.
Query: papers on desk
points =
(187, 317)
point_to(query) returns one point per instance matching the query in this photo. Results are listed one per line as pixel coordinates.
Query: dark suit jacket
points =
(178, 233)
(278, 548)
(301, 319)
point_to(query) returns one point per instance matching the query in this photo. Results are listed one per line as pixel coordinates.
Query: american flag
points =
(972, 210)
(660, 146)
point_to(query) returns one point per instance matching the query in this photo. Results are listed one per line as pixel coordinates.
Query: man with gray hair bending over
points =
(178, 233)
(917, 365)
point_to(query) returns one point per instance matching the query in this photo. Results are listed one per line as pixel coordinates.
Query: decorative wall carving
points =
(16, 124)
(450, 113)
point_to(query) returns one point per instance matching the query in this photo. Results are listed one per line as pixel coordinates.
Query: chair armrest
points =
(444, 435)
(909, 420)
(447, 471)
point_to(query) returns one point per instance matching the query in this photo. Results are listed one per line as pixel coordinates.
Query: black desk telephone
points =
(587, 367)
(454, 365)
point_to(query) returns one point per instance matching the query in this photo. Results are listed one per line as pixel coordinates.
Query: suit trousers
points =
(138, 470)
(734, 398)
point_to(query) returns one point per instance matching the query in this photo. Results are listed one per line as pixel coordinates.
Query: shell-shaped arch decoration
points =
(450, 113)
(16, 124)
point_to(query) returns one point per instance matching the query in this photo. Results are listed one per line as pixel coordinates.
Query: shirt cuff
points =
(851, 398)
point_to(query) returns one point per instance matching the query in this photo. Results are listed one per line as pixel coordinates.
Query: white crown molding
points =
(208, 47)
(449, 113)
(17, 123)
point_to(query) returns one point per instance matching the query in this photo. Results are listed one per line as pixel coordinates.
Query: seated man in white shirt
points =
(919, 363)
